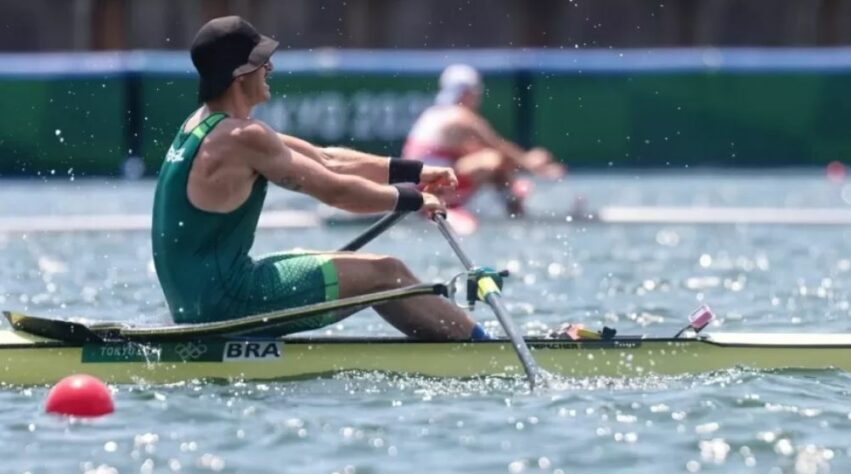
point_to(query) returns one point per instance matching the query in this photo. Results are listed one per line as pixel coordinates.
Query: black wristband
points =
(404, 171)
(409, 199)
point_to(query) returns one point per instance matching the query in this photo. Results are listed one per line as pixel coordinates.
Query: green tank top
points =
(199, 255)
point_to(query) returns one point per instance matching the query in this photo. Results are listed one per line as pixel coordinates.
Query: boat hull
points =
(31, 360)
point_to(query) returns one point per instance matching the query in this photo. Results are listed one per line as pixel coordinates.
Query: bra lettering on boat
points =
(254, 351)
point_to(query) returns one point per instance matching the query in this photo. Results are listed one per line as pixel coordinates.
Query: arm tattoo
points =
(289, 182)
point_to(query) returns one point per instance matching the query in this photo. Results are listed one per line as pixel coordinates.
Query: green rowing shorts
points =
(282, 281)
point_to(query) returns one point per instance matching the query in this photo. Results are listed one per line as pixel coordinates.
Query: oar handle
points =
(374, 231)
(491, 297)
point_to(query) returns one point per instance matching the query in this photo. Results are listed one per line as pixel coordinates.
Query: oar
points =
(272, 319)
(489, 292)
(74, 332)
(374, 231)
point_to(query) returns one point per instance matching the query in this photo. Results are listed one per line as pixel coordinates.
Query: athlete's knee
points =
(394, 273)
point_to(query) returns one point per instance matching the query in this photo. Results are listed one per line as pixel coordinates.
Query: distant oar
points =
(489, 291)
(374, 231)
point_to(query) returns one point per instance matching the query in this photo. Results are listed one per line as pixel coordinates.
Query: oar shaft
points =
(453, 242)
(272, 319)
(373, 231)
(516, 338)
(492, 300)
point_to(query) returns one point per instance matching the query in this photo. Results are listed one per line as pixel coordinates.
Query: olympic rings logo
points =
(190, 350)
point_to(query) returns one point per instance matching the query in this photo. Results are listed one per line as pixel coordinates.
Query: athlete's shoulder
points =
(458, 118)
(252, 133)
(247, 128)
(467, 113)
(443, 115)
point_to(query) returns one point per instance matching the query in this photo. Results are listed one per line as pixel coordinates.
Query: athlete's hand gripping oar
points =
(387, 221)
(489, 292)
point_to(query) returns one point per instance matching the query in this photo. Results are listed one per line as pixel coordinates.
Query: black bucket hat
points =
(225, 48)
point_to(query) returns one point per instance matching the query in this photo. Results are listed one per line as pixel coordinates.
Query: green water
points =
(640, 279)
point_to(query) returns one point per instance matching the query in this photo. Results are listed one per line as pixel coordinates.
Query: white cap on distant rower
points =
(455, 81)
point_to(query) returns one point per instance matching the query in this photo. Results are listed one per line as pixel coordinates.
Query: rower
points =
(452, 133)
(211, 190)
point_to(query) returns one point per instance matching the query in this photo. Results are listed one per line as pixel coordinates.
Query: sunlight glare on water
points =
(636, 278)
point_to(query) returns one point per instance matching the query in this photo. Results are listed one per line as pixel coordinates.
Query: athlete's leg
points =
(291, 279)
(276, 282)
(424, 317)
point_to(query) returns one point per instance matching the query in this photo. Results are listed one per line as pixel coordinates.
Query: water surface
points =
(639, 279)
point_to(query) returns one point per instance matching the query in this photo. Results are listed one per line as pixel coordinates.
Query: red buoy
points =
(80, 395)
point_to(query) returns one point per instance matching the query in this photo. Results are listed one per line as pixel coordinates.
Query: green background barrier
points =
(679, 120)
(108, 113)
(365, 111)
(62, 126)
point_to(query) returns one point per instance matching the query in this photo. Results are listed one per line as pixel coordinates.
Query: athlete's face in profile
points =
(472, 99)
(255, 84)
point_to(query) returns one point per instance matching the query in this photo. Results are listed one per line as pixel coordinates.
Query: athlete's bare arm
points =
(372, 167)
(266, 153)
(537, 160)
(481, 130)
(341, 160)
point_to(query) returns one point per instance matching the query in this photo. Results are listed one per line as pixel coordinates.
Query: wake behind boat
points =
(580, 214)
(612, 215)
